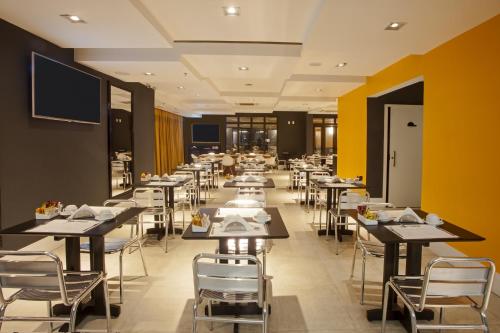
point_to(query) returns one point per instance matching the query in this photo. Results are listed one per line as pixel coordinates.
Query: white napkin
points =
(236, 223)
(83, 212)
(411, 212)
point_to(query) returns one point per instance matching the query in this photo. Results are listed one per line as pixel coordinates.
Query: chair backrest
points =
(228, 278)
(351, 200)
(316, 174)
(244, 203)
(227, 160)
(184, 173)
(152, 197)
(120, 203)
(45, 274)
(456, 277)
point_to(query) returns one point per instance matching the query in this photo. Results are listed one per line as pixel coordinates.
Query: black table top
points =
(191, 168)
(268, 184)
(337, 185)
(384, 235)
(179, 183)
(276, 227)
(100, 230)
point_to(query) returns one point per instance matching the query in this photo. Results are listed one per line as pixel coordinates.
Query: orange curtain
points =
(169, 145)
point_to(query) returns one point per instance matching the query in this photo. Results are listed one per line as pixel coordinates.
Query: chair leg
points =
(484, 320)
(2, 313)
(195, 312)
(142, 258)
(363, 271)
(384, 306)
(50, 314)
(106, 304)
(335, 231)
(210, 315)
(265, 316)
(120, 265)
(441, 317)
(354, 258)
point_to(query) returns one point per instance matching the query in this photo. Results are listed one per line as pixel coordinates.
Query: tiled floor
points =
(311, 285)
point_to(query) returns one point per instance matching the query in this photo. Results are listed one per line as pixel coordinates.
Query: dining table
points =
(392, 242)
(196, 170)
(269, 183)
(96, 305)
(308, 171)
(276, 229)
(333, 190)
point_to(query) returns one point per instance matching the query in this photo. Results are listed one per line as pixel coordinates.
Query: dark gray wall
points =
(43, 159)
(291, 137)
(412, 95)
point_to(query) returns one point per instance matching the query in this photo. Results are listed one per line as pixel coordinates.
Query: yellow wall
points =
(461, 135)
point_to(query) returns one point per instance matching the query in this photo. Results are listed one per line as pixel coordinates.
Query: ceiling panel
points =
(110, 23)
(318, 89)
(259, 20)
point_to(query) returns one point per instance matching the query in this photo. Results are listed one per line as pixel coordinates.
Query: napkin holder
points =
(205, 224)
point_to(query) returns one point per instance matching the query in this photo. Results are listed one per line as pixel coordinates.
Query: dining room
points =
(169, 166)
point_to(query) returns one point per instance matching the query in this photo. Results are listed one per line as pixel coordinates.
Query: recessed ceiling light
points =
(341, 64)
(231, 11)
(73, 18)
(248, 84)
(243, 68)
(180, 87)
(395, 26)
(319, 90)
(148, 73)
(315, 64)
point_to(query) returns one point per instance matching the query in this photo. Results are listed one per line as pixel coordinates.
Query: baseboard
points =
(445, 250)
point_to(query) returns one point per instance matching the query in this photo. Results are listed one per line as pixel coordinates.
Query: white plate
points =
(385, 220)
(267, 219)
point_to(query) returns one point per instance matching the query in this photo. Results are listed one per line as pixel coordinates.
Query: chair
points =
(346, 200)
(194, 158)
(446, 283)
(230, 283)
(118, 171)
(318, 195)
(156, 212)
(46, 281)
(227, 165)
(115, 245)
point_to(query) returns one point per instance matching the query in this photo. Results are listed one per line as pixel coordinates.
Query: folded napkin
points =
(83, 212)
(409, 215)
(236, 223)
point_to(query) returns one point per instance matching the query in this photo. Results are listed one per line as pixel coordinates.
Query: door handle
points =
(393, 158)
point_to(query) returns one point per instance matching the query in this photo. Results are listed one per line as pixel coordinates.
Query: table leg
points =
(72, 245)
(97, 263)
(329, 205)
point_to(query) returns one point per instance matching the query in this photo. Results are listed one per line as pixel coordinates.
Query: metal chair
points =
(46, 281)
(317, 194)
(446, 283)
(119, 245)
(346, 200)
(230, 283)
(153, 198)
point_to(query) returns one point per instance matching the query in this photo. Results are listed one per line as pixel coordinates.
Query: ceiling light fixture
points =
(395, 26)
(148, 74)
(341, 64)
(73, 18)
(231, 10)
(248, 84)
(319, 90)
(180, 87)
(243, 68)
(315, 64)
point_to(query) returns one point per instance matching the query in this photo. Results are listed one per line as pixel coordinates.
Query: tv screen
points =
(61, 92)
(205, 133)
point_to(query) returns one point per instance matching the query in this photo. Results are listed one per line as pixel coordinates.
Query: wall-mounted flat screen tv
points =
(205, 133)
(61, 92)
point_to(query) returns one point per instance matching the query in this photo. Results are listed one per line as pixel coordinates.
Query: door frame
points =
(387, 157)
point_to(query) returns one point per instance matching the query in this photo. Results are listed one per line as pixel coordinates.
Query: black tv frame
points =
(33, 54)
(210, 142)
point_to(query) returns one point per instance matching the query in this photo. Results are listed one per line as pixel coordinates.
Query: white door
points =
(405, 154)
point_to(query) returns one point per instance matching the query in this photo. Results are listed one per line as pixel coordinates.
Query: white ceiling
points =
(191, 43)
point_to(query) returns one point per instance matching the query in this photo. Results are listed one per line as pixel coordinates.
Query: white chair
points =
(156, 212)
(318, 195)
(230, 283)
(346, 200)
(227, 164)
(119, 245)
(447, 283)
(194, 158)
(46, 281)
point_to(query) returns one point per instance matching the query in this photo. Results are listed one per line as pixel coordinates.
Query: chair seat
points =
(76, 284)
(229, 297)
(111, 245)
